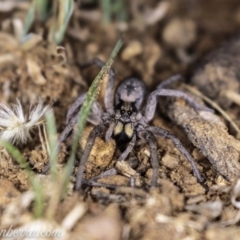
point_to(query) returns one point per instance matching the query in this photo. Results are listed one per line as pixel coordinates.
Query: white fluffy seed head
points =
(15, 126)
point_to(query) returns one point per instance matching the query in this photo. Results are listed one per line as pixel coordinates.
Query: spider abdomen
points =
(123, 132)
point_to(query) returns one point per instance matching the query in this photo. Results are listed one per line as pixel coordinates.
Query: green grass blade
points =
(106, 6)
(86, 107)
(61, 20)
(52, 138)
(29, 18)
(66, 10)
(38, 205)
(42, 9)
(113, 9)
(121, 11)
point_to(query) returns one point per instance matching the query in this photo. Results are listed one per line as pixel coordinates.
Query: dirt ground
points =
(197, 39)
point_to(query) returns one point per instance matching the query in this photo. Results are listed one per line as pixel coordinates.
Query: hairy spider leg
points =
(110, 130)
(93, 183)
(75, 106)
(94, 117)
(159, 132)
(96, 113)
(67, 130)
(154, 158)
(152, 102)
(97, 131)
(129, 148)
(109, 92)
(170, 81)
(107, 173)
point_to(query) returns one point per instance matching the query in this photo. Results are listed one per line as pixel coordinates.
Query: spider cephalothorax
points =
(127, 121)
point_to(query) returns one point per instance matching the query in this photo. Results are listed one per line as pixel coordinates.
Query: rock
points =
(180, 33)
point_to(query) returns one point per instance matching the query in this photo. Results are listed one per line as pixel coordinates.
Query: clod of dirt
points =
(126, 169)
(170, 161)
(151, 54)
(31, 74)
(153, 219)
(34, 72)
(180, 33)
(38, 159)
(12, 171)
(213, 233)
(16, 213)
(143, 60)
(157, 13)
(7, 192)
(105, 225)
(100, 156)
(229, 216)
(209, 209)
(219, 73)
(187, 181)
(115, 180)
(209, 136)
(133, 49)
(66, 206)
(235, 194)
(76, 213)
(172, 192)
(221, 181)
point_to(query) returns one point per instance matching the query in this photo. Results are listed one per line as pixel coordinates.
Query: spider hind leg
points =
(159, 132)
(154, 158)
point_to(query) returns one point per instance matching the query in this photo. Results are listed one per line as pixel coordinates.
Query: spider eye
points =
(122, 111)
(129, 113)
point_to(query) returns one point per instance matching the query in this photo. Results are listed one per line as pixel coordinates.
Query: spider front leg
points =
(110, 130)
(94, 117)
(170, 80)
(67, 129)
(109, 93)
(152, 101)
(159, 132)
(75, 106)
(97, 131)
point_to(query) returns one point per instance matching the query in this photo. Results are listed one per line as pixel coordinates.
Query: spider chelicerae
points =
(127, 121)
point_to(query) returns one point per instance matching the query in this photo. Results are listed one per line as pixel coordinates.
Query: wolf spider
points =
(127, 122)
